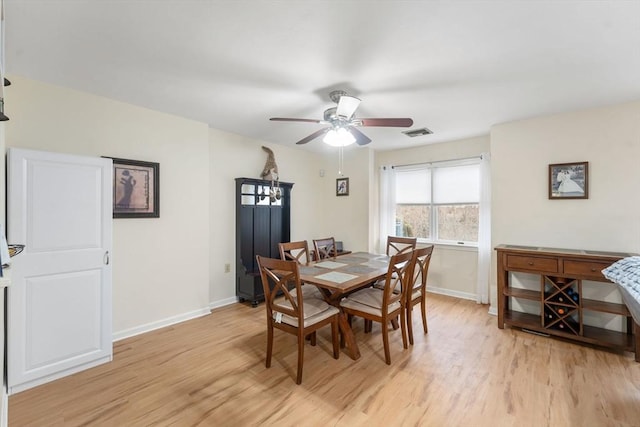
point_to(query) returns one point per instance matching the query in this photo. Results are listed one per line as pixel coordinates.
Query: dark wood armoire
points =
(263, 219)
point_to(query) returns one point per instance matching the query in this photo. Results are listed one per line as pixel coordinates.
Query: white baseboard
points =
(222, 303)
(228, 301)
(117, 336)
(450, 293)
(27, 384)
(493, 310)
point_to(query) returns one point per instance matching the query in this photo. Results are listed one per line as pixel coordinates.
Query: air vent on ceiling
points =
(417, 132)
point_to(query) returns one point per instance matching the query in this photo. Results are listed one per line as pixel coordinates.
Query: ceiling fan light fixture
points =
(342, 129)
(340, 137)
(347, 106)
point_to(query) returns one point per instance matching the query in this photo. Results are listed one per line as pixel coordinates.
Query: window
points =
(439, 203)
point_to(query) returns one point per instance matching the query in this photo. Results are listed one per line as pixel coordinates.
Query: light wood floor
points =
(465, 372)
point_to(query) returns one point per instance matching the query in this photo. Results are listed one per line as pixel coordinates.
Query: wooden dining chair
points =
(399, 245)
(382, 305)
(395, 245)
(292, 314)
(299, 252)
(295, 251)
(325, 248)
(417, 293)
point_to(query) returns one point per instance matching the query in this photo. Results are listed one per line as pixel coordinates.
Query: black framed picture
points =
(342, 187)
(569, 180)
(136, 189)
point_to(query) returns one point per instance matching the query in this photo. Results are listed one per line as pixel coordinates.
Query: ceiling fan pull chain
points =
(340, 160)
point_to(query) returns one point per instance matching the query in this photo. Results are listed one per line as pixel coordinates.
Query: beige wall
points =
(453, 270)
(347, 218)
(609, 139)
(172, 268)
(316, 212)
(160, 266)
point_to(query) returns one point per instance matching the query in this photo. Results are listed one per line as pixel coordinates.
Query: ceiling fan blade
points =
(287, 119)
(347, 106)
(401, 123)
(361, 138)
(313, 136)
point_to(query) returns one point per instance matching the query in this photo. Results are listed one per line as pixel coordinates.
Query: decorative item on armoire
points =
(270, 173)
(270, 170)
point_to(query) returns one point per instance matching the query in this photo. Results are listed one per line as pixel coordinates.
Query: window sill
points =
(469, 247)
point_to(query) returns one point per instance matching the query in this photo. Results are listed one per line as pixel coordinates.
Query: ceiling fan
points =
(342, 129)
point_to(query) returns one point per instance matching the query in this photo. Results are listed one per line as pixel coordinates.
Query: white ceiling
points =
(456, 67)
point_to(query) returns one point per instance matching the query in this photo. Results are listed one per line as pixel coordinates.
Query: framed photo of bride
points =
(569, 180)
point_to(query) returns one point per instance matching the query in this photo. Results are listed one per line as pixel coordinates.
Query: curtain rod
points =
(439, 161)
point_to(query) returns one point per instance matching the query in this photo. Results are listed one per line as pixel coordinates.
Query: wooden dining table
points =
(337, 277)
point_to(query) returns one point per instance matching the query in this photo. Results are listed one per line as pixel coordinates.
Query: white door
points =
(59, 302)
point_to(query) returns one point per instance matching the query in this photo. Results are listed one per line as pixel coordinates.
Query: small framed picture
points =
(342, 187)
(569, 180)
(136, 189)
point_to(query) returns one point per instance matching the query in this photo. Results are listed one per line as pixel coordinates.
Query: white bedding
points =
(626, 273)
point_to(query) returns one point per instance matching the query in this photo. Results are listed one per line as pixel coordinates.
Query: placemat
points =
(336, 277)
(309, 271)
(329, 264)
(359, 269)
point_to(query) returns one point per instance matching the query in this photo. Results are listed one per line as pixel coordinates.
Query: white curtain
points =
(387, 205)
(484, 231)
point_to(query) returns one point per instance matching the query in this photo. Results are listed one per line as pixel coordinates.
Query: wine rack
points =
(561, 304)
(560, 296)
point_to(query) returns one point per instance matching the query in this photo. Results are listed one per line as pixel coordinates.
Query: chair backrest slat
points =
(399, 274)
(295, 251)
(325, 248)
(276, 277)
(398, 245)
(421, 269)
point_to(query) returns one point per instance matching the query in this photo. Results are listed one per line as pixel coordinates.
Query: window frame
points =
(433, 207)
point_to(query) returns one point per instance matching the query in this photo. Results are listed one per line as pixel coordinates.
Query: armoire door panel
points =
(261, 230)
(245, 237)
(275, 233)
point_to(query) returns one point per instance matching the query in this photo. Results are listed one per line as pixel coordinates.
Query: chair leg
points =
(403, 326)
(313, 338)
(368, 325)
(394, 323)
(410, 323)
(385, 342)
(423, 307)
(269, 345)
(335, 338)
(300, 356)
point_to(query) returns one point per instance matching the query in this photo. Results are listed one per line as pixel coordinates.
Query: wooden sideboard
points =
(559, 296)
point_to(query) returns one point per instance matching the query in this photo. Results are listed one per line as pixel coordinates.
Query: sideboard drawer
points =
(587, 269)
(533, 263)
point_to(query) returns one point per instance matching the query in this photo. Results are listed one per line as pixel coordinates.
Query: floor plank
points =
(465, 372)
